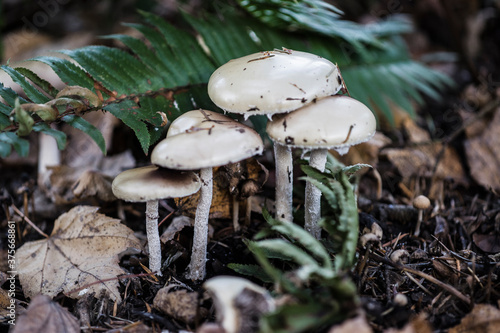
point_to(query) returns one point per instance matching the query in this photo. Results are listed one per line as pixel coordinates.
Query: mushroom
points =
(272, 82)
(239, 303)
(337, 122)
(150, 184)
(202, 139)
(421, 203)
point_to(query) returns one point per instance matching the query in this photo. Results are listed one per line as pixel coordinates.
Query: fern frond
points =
(167, 69)
(321, 17)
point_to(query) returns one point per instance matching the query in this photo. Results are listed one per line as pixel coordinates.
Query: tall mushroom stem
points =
(312, 203)
(154, 245)
(196, 268)
(284, 182)
(236, 213)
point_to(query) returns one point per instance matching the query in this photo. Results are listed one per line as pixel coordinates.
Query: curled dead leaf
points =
(180, 304)
(482, 148)
(45, 316)
(81, 252)
(94, 184)
(483, 318)
(242, 180)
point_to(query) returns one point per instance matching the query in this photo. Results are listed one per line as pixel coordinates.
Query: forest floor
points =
(444, 278)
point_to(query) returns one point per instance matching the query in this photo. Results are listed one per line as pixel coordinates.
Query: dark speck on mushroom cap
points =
(331, 122)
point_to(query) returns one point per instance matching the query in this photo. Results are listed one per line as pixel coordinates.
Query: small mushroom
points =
(201, 140)
(239, 303)
(272, 82)
(150, 184)
(399, 256)
(336, 122)
(421, 203)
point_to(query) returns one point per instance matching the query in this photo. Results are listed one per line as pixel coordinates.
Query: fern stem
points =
(284, 182)
(196, 268)
(312, 203)
(154, 245)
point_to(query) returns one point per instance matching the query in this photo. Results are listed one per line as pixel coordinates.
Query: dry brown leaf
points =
(415, 133)
(484, 318)
(357, 324)
(94, 184)
(45, 316)
(366, 152)
(221, 207)
(180, 304)
(418, 324)
(4, 303)
(489, 243)
(72, 184)
(420, 162)
(482, 149)
(82, 250)
(242, 179)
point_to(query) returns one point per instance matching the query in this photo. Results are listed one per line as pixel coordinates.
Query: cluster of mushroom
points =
(297, 91)
(197, 140)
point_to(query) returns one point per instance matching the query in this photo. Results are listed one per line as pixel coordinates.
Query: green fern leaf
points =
(164, 61)
(300, 237)
(148, 58)
(128, 76)
(48, 88)
(226, 40)
(9, 140)
(10, 97)
(251, 270)
(59, 136)
(32, 92)
(188, 52)
(322, 17)
(86, 127)
(123, 112)
(68, 72)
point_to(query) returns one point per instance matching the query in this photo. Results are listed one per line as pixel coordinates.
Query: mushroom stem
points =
(419, 222)
(236, 213)
(48, 155)
(154, 245)
(284, 182)
(248, 212)
(196, 268)
(312, 203)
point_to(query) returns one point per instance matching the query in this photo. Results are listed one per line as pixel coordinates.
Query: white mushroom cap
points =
(333, 122)
(201, 139)
(226, 290)
(421, 202)
(273, 82)
(153, 183)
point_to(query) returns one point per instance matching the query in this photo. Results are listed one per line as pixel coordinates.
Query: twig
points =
(418, 283)
(29, 221)
(120, 277)
(428, 277)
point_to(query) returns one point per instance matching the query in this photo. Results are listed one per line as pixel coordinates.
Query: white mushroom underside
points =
(201, 139)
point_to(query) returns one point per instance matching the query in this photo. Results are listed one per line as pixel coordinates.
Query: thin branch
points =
(428, 277)
(18, 212)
